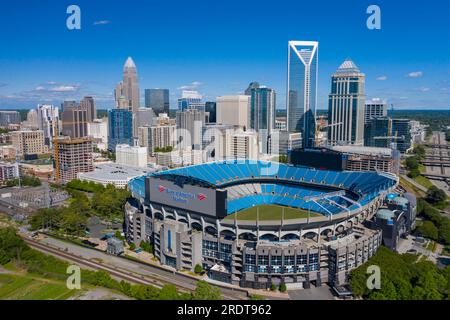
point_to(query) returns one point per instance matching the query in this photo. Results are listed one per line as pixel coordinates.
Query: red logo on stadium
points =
(201, 197)
(162, 188)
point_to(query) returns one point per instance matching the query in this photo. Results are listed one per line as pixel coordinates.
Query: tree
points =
(429, 230)
(273, 287)
(205, 291)
(412, 163)
(414, 173)
(169, 292)
(198, 269)
(132, 246)
(435, 195)
(282, 287)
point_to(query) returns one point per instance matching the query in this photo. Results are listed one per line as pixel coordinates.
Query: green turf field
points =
(25, 287)
(271, 212)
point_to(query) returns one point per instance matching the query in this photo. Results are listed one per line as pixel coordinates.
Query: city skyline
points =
(89, 61)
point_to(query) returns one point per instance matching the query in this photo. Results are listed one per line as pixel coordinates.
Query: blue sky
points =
(218, 47)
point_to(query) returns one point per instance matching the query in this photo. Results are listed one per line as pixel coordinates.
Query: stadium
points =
(257, 223)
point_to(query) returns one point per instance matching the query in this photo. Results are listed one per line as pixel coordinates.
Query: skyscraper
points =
(211, 107)
(301, 98)
(48, 121)
(375, 108)
(158, 100)
(120, 128)
(129, 89)
(262, 108)
(191, 100)
(88, 103)
(74, 122)
(346, 105)
(189, 128)
(234, 110)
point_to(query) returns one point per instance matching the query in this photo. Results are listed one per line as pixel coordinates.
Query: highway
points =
(437, 163)
(125, 269)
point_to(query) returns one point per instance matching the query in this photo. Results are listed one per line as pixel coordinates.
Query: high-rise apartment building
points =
(158, 100)
(48, 122)
(242, 145)
(234, 110)
(375, 108)
(98, 131)
(189, 129)
(120, 128)
(145, 117)
(346, 106)
(301, 96)
(158, 136)
(74, 156)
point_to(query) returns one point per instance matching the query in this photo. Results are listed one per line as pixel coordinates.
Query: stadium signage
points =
(179, 196)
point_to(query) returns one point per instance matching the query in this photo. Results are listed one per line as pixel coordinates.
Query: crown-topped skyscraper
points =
(127, 91)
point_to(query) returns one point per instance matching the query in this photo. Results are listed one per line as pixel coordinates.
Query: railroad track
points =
(157, 281)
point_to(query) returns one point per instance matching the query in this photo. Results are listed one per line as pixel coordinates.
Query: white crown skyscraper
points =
(301, 99)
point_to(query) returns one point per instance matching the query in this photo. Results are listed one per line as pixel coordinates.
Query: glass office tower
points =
(158, 100)
(301, 99)
(120, 126)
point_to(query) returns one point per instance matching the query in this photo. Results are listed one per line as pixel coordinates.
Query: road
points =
(125, 269)
(442, 155)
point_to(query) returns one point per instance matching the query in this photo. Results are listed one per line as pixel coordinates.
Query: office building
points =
(120, 128)
(133, 156)
(262, 108)
(375, 108)
(74, 122)
(189, 129)
(401, 131)
(127, 91)
(234, 110)
(346, 106)
(252, 85)
(211, 108)
(9, 117)
(214, 139)
(74, 156)
(378, 133)
(145, 117)
(158, 100)
(301, 97)
(48, 122)
(191, 100)
(29, 142)
(88, 103)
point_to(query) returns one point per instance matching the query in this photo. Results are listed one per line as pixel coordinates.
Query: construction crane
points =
(326, 126)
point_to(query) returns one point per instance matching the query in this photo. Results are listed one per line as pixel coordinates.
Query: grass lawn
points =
(271, 212)
(27, 287)
(423, 181)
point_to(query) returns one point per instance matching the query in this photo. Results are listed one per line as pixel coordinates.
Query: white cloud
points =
(415, 74)
(382, 78)
(194, 85)
(101, 22)
(424, 89)
(64, 88)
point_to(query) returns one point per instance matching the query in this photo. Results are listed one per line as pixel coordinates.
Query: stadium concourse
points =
(257, 223)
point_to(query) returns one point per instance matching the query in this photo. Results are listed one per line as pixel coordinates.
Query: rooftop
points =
(113, 171)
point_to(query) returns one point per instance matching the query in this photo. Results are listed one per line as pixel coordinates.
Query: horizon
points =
(216, 57)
